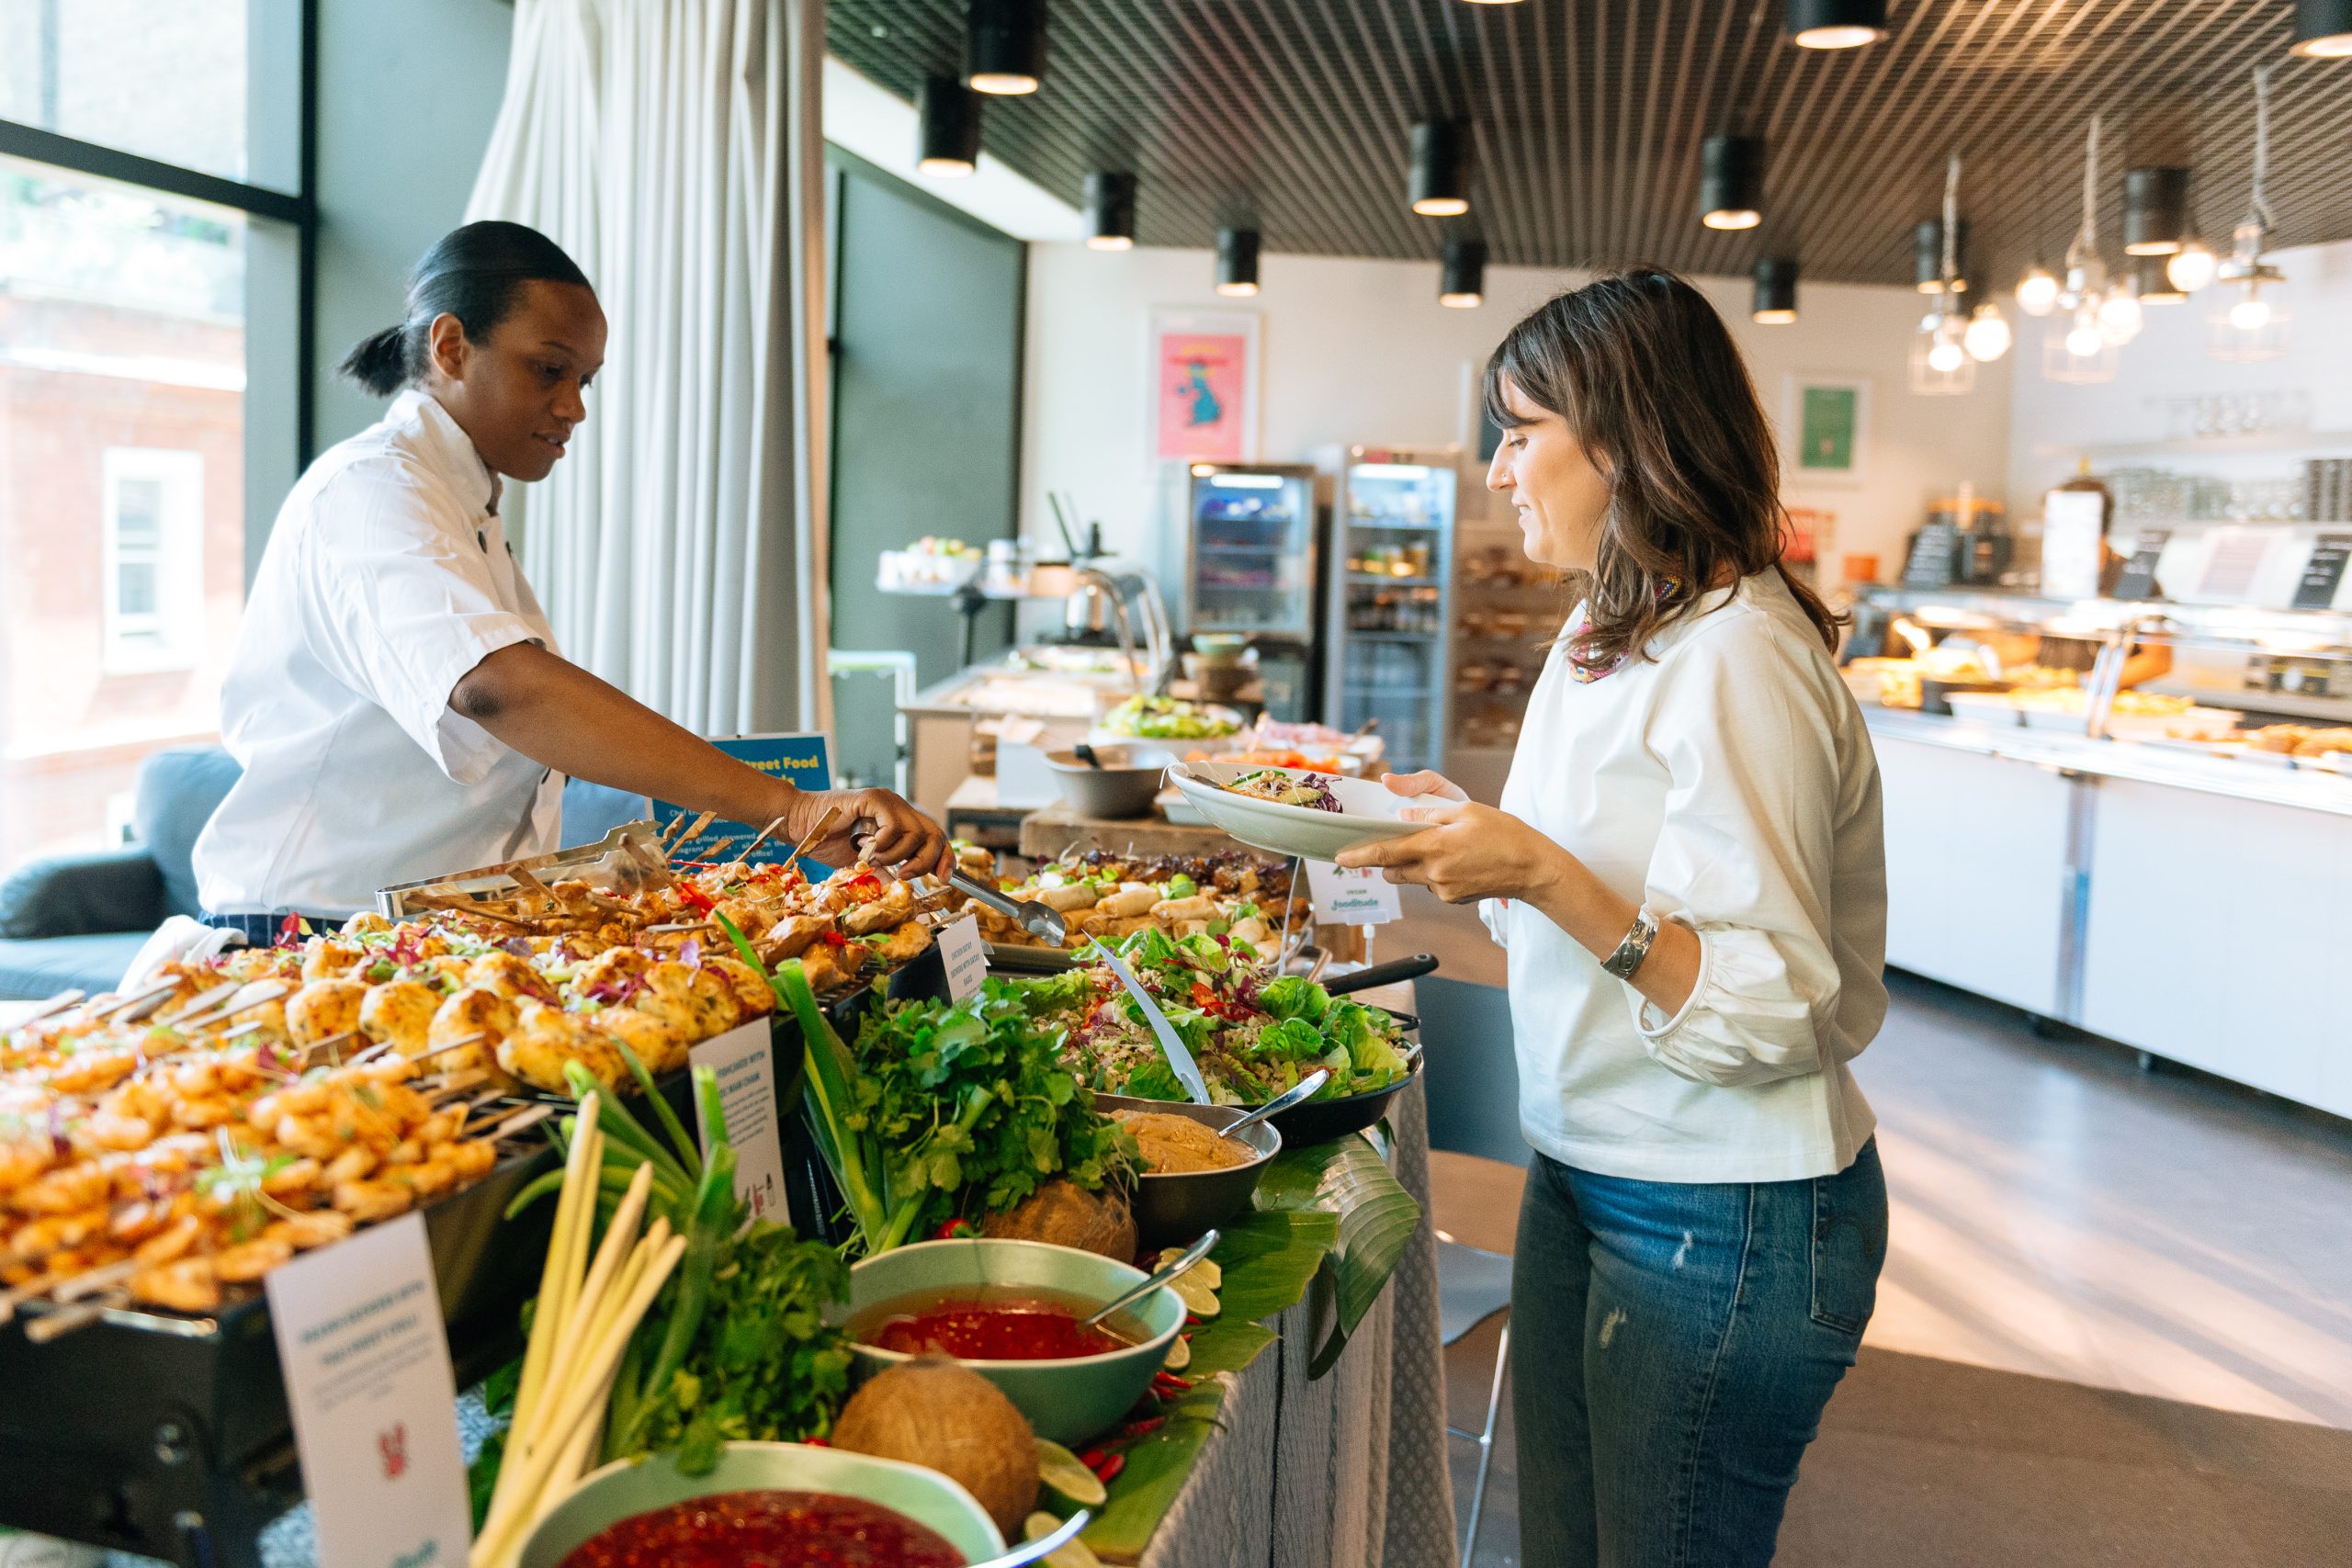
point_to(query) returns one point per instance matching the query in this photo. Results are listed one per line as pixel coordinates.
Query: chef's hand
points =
(873, 825)
(1469, 851)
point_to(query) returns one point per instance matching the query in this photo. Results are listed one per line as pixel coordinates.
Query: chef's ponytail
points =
(474, 274)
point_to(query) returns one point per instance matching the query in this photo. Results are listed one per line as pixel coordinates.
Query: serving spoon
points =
(1303, 1089)
(1190, 1255)
(1045, 1546)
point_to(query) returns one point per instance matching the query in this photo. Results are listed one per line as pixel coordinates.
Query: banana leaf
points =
(1345, 1178)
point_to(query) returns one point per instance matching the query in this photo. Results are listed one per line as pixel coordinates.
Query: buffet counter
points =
(2192, 906)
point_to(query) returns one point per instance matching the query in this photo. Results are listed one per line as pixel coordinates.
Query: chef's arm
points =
(556, 712)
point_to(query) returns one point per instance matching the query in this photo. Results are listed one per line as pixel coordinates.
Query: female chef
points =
(395, 696)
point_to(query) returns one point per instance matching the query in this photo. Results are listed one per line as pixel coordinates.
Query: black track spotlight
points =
(1731, 182)
(948, 128)
(1441, 185)
(1461, 280)
(1928, 257)
(2155, 210)
(1836, 24)
(1004, 47)
(1110, 211)
(1237, 262)
(2323, 29)
(1775, 300)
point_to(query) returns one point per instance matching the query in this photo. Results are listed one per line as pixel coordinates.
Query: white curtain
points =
(654, 140)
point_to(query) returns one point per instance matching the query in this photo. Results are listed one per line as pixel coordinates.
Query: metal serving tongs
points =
(1171, 1044)
(1040, 920)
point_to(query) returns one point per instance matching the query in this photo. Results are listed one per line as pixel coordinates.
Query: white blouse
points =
(1731, 786)
(387, 578)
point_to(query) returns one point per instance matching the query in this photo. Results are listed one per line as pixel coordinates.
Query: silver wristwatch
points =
(1635, 948)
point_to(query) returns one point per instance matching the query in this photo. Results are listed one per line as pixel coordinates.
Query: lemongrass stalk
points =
(546, 1327)
(621, 1239)
(497, 1544)
(595, 1319)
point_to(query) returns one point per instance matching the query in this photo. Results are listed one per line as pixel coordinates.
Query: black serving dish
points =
(168, 1435)
(1175, 1207)
(1321, 1121)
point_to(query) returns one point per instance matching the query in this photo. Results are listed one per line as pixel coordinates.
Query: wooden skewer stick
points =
(124, 1004)
(702, 826)
(811, 836)
(205, 1002)
(766, 833)
(463, 907)
(333, 1045)
(259, 993)
(93, 1280)
(52, 1007)
(678, 926)
(522, 1121)
(65, 1320)
(458, 1045)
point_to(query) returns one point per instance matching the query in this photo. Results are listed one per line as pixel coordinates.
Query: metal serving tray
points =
(624, 860)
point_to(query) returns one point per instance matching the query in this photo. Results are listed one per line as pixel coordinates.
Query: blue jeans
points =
(1673, 1347)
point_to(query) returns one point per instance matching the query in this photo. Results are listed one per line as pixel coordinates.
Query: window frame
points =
(282, 391)
(177, 620)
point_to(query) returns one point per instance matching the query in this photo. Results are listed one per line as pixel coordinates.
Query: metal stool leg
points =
(1487, 1444)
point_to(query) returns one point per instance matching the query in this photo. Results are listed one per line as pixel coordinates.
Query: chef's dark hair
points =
(473, 274)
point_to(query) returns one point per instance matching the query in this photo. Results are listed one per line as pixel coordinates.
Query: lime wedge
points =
(1179, 1354)
(1067, 1477)
(1196, 1293)
(1072, 1553)
(1205, 1270)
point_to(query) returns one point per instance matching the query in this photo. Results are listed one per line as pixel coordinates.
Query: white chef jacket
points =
(1731, 786)
(387, 578)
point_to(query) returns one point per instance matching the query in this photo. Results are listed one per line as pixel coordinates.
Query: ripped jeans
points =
(1673, 1347)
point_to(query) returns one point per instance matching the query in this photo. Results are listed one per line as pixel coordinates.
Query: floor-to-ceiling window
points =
(152, 280)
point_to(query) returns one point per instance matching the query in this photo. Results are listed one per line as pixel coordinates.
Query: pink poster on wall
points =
(1204, 393)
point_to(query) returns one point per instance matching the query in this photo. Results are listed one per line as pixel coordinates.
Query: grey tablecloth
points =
(1345, 1472)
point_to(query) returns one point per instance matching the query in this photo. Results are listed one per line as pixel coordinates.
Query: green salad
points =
(1166, 718)
(1253, 1034)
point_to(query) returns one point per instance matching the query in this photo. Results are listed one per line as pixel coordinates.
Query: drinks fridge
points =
(1391, 549)
(1249, 567)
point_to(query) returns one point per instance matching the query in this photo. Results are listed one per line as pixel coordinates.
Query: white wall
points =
(2053, 424)
(1359, 351)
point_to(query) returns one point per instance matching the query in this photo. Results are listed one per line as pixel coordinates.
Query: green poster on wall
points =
(1825, 426)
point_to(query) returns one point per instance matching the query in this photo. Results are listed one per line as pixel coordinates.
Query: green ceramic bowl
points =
(628, 1487)
(1065, 1401)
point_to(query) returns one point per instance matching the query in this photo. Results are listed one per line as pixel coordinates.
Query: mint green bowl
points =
(1065, 1401)
(630, 1487)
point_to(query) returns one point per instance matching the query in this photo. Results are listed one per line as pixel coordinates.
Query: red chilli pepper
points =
(833, 938)
(1108, 1471)
(696, 898)
(818, 1442)
(1148, 1425)
(954, 1230)
(1092, 1459)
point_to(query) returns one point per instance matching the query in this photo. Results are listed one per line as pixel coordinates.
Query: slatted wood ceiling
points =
(1588, 115)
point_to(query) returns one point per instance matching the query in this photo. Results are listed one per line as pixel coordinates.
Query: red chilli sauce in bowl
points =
(805, 1529)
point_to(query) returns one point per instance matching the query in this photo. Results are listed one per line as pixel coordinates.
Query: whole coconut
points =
(934, 1412)
(1065, 1214)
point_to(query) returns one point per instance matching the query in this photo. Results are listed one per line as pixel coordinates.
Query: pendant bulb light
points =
(2192, 266)
(2323, 29)
(1731, 182)
(1927, 255)
(1987, 335)
(2037, 291)
(947, 133)
(1774, 302)
(1836, 24)
(1237, 262)
(2155, 210)
(1110, 210)
(1461, 278)
(1004, 47)
(1439, 186)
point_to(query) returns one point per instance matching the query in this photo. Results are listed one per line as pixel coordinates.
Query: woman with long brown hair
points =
(1687, 874)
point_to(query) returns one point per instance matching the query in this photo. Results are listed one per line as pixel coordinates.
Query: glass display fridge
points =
(1248, 568)
(1391, 598)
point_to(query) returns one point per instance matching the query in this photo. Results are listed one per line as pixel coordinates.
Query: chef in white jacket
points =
(395, 698)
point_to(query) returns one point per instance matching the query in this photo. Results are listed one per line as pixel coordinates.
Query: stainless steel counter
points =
(2310, 789)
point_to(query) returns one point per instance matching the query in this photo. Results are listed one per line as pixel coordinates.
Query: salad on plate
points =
(1312, 791)
(1253, 1034)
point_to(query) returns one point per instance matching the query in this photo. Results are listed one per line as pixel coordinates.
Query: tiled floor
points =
(2060, 1214)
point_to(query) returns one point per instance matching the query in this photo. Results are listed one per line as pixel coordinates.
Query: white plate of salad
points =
(1293, 811)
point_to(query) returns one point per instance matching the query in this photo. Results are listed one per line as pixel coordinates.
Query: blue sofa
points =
(77, 920)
